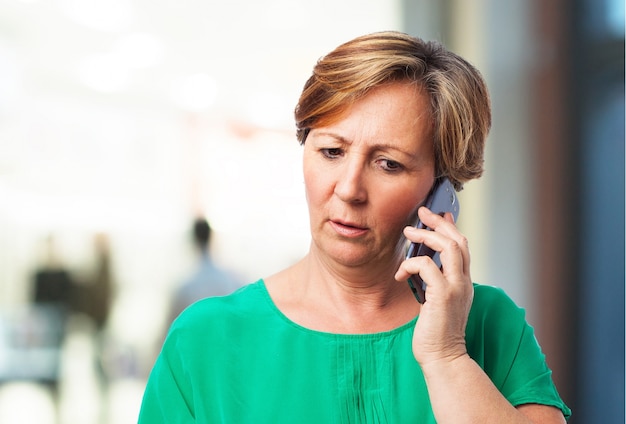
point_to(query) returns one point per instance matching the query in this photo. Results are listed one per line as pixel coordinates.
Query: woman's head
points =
(459, 100)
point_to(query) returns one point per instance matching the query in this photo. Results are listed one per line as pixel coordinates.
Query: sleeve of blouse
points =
(512, 356)
(164, 399)
(529, 379)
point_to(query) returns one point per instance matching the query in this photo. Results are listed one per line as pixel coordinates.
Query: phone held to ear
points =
(441, 199)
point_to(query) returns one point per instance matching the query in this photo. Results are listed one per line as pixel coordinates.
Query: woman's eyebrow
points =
(387, 147)
(382, 146)
(333, 135)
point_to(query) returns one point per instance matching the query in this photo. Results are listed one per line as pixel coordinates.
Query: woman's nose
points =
(351, 184)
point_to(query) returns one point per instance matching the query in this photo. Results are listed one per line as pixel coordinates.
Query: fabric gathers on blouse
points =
(238, 359)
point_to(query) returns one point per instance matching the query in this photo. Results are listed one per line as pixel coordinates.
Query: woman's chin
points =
(351, 256)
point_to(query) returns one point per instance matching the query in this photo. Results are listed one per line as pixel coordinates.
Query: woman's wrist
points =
(444, 363)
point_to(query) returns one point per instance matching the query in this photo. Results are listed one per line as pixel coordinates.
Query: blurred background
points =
(122, 121)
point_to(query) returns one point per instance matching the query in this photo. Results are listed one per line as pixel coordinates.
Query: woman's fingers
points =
(452, 243)
(440, 330)
(445, 239)
(423, 266)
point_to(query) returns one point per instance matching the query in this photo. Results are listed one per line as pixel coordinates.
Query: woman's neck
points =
(342, 300)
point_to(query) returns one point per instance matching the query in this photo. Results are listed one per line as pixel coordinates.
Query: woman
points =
(336, 337)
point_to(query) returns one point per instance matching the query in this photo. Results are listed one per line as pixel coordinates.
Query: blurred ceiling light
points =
(269, 110)
(111, 71)
(109, 15)
(103, 72)
(195, 92)
(139, 50)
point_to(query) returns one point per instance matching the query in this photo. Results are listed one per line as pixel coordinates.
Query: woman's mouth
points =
(347, 229)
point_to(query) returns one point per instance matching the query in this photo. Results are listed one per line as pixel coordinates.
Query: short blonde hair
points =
(459, 99)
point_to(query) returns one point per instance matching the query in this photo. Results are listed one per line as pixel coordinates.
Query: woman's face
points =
(366, 175)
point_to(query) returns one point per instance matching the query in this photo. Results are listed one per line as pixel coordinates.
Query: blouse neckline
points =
(379, 335)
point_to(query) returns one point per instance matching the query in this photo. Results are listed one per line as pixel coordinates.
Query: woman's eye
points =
(331, 153)
(390, 165)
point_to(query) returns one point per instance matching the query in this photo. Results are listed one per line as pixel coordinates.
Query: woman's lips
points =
(347, 229)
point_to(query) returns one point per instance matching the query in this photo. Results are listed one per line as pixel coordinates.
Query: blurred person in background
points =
(43, 331)
(207, 279)
(93, 299)
(52, 281)
(339, 336)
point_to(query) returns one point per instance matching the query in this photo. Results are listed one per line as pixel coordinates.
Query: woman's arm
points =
(460, 391)
(163, 400)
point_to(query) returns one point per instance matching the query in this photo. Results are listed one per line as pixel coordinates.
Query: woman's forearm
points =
(461, 392)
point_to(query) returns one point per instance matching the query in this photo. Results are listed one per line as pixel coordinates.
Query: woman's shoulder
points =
(494, 314)
(492, 297)
(492, 306)
(220, 308)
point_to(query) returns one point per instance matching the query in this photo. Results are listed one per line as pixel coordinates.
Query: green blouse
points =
(238, 359)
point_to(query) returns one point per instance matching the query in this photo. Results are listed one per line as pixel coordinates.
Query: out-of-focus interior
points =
(122, 121)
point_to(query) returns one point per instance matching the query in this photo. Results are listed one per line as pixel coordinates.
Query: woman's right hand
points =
(440, 330)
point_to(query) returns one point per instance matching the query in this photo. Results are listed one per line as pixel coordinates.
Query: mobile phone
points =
(442, 198)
